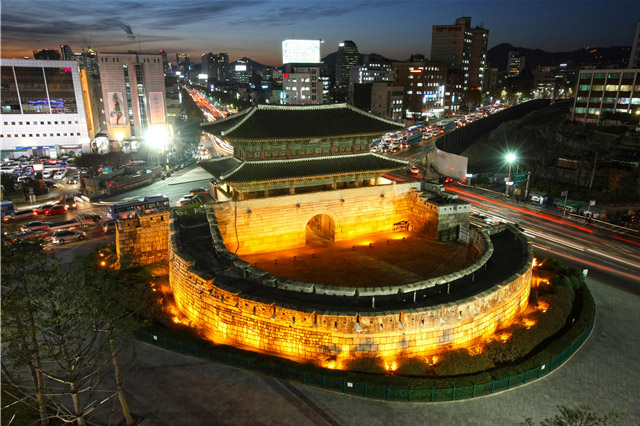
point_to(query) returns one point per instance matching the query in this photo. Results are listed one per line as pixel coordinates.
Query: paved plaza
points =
(383, 259)
(166, 388)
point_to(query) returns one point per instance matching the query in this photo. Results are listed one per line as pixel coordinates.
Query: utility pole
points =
(564, 211)
(526, 190)
(593, 170)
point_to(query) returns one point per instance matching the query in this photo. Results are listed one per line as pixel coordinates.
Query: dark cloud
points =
(290, 15)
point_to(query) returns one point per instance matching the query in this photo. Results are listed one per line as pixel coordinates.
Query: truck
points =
(76, 222)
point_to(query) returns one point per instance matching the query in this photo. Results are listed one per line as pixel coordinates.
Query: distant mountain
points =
(251, 64)
(497, 56)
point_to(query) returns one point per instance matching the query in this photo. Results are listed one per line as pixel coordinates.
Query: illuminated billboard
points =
(240, 68)
(301, 51)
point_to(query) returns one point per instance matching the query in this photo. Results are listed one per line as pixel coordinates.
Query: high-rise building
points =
(634, 60)
(346, 58)
(219, 70)
(424, 85)
(166, 66)
(183, 64)
(301, 85)
(42, 108)
(241, 73)
(67, 53)
(207, 62)
(133, 94)
(515, 63)
(369, 72)
(462, 47)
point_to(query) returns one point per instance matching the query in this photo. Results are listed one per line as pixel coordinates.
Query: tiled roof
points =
(220, 166)
(277, 123)
(279, 170)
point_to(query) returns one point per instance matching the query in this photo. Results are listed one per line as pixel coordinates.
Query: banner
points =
(115, 104)
(156, 107)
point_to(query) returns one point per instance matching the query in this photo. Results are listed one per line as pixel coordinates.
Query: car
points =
(40, 210)
(18, 215)
(67, 235)
(35, 226)
(96, 218)
(59, 175)
(57, 209)
(182, 201)
(196, 191)
(69, 201)
(413, 170)
(109, 226)
(73, 180)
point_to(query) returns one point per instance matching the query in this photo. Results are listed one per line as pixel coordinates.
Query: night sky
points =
(255, 29)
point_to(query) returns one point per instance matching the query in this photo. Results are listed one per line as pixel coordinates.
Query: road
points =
(610, 253)
(174, 187)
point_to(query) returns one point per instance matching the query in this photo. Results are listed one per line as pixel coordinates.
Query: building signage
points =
(35, 147)
(520, 177)
(116, 109)
(301, 51)
(156, 107)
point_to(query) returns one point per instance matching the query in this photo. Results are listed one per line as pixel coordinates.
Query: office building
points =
(42, 108)
(386, 100)
(634, 60)
(133, 93)
(424, 87)
(515, 63)
(166, 66)
(369, 72)
(301, 85)
(67, 53)
(346, 58)
(462, 47)
(606, 91)
(183, 65)
(241, 73)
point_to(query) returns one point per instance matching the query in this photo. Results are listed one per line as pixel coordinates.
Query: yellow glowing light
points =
(101, 254)
(504, 337)
(528, 322)
(119, 136)
(331, 365)
(542, 306)
(433, 360)
(103, 263)
(535, 262)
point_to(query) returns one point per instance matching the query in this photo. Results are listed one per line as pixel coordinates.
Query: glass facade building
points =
(41, 108)
(606, 91)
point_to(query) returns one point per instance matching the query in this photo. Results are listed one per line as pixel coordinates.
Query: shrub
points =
(561, 281)
(413, 367)
(373, 365)
(552, 265)
(460, 361)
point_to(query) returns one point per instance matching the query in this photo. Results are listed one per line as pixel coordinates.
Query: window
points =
(593, 110)
(613, 76)
(585, 76)
(599, 75)
(611, 87)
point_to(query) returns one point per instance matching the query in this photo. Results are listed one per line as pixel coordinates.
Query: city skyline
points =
(255, 29)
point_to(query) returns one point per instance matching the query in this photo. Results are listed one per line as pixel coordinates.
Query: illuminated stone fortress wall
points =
(279, 223)
(246, 307)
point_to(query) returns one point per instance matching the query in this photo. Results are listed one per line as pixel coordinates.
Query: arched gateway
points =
(320, 229)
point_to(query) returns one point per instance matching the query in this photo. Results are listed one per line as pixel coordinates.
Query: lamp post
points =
(511, 157)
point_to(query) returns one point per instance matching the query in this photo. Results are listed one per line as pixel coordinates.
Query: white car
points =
(67, 235)
(59, 175)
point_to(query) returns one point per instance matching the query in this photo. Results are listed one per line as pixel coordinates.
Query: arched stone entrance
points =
(320, 230)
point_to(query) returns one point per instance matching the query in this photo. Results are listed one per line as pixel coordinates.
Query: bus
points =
(8, 209)
(444, 126)
(133, 208)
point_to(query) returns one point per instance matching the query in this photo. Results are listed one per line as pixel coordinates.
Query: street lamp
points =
(511, 157)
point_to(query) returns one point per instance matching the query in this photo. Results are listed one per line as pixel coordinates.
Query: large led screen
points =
(301, 51)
